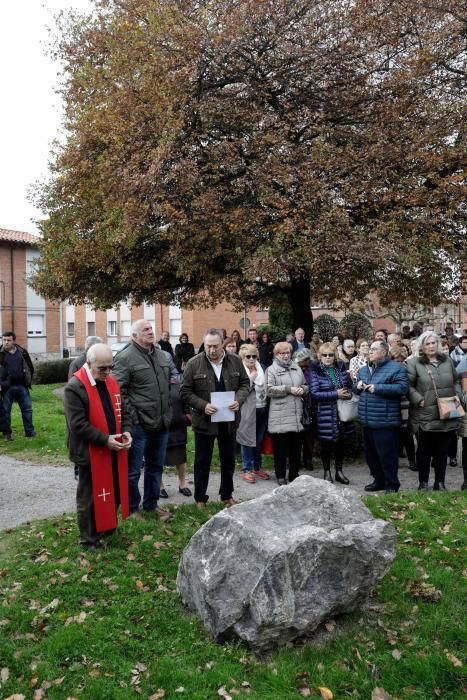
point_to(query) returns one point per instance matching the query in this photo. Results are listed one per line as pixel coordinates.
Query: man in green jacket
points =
(143, 374)
(214, 370)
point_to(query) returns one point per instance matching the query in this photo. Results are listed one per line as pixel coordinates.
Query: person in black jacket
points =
(266, 350)
(184, 351)
(164, 343)
(16, 371)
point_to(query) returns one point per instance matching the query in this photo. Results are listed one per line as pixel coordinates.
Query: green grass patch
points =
(110, 624)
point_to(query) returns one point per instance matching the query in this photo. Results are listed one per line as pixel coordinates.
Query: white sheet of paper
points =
(222, 400)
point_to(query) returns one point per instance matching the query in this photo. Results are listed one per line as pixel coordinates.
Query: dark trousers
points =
(432, 449)
(406, 440)
(308, 440)
(204, 445)
(381, 447)
(286, 445)
(85, 504)
(452, 444)
(331, 450)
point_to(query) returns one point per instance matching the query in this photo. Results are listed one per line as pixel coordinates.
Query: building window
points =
(111, 327)
(91, 328)
(36, 325)
(70, 329)
(125, 328)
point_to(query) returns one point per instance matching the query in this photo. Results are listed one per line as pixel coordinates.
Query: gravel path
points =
(29, 491)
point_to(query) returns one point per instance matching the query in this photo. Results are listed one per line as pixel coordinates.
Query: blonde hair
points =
(398, 352)
(247, 348)
(327, 347)
(282, 346)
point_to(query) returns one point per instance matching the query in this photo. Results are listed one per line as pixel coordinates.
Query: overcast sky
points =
(30, 115)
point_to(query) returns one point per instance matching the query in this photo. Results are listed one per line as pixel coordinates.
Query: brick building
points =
(35, 320)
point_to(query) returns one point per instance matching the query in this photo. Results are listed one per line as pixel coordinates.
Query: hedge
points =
(51, 371)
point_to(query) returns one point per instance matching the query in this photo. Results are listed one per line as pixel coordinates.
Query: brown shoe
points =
(162, 514)
(230, 502)
(136, 515)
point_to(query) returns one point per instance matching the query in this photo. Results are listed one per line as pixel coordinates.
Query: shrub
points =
(327, 327)
(51, 371)
(356, 325)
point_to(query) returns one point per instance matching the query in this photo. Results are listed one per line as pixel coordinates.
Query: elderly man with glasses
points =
(381, 383)
(98, 439)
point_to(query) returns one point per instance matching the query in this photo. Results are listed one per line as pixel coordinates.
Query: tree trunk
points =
(298, 295)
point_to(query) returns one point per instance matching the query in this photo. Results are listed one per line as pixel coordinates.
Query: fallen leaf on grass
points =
(4, 674)
(305, 690)
(326, 694)
(33, 681)
(396, 654)
(453, 659)
(16, 696)
(76, 618)
(130, 556)
(147, 538)
(38, 694)
(330, 626)
(224, 694)
(380, 694)
(246, 686)
(181, 689)
(157, 695)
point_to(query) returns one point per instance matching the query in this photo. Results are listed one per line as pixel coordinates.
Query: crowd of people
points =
(130, 413)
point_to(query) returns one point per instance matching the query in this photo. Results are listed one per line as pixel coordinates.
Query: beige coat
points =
(285, 409)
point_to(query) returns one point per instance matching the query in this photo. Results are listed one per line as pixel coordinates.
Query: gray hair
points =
(302, 355)
(91, 355)
(214, 331)
(421, 339)
(92, 340)
(383, 345)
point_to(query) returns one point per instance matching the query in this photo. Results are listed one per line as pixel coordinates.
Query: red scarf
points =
(101, 457)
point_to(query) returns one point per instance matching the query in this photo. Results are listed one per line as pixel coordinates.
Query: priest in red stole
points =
(98, 441)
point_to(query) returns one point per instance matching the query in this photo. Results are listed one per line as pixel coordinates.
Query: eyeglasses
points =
(105, 368)
(327, 354)
(287, 352)
(249, 357)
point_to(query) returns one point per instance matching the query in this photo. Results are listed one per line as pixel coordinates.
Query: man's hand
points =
(370, 388)
(234, 406)
(343, 394)
(126, 440)
(114, 442)
(296, 390)
(209, 409)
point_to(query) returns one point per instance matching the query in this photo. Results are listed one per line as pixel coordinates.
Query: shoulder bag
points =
(448, 406)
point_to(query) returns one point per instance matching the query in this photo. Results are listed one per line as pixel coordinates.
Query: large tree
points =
(243, 149)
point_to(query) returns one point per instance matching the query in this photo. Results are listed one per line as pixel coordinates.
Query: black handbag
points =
(307, 416)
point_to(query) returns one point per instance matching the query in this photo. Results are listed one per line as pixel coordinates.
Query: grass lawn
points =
(110, 625)
(49, 447)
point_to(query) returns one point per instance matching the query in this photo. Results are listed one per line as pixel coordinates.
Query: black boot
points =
(340, 476)
(423, 486)
(439, 486)
(413, 467)
(464, 485)
(327, 476)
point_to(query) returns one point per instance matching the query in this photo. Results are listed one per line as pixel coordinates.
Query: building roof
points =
(18, 237)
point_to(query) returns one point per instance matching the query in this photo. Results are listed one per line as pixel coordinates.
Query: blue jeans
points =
(248, 458)
(21, 395)
(152, 448)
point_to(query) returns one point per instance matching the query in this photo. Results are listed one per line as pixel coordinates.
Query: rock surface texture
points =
(273, 569)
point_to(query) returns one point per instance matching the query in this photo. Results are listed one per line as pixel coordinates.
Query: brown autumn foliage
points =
(241, 149)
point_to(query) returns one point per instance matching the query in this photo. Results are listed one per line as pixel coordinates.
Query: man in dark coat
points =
(381, 384)
(214, 370)
(79, 361)
(98, 438)
(16, 371)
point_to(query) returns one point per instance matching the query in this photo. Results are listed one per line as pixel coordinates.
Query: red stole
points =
(101, 457)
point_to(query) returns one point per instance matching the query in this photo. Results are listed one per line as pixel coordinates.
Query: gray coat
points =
(285, 409)
(421, 389)
(246, 431)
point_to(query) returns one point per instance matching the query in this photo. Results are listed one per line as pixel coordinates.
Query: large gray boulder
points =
(273, 569)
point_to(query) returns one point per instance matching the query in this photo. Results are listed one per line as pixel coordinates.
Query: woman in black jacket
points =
(184, 351)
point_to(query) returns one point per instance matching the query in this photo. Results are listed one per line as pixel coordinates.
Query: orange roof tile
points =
(19, 237)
